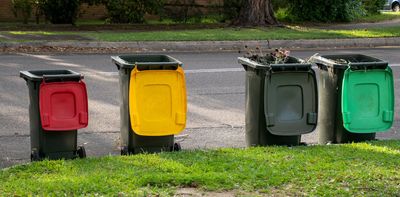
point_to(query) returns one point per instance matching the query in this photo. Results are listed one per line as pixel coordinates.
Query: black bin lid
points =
(146, 62)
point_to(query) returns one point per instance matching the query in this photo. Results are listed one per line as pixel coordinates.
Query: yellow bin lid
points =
(157, 101)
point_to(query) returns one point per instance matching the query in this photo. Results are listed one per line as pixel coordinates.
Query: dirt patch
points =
(80, 50)
(110, 27)
(193, 192)
(44, 37)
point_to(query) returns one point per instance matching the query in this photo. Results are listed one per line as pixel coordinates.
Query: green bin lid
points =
(368, 100)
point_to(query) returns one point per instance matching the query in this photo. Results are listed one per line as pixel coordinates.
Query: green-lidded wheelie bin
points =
(281, 102)
(153, 102)
(58, 107)
(356, 97)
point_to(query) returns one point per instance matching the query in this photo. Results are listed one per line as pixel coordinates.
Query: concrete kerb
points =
(194, 46)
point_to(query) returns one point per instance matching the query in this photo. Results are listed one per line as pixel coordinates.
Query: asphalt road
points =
(215, 84)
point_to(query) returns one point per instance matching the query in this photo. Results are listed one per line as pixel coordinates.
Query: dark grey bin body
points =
(132, 143)
(281, 102)
(51, 145)
(330, 125)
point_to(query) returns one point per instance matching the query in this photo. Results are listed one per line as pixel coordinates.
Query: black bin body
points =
(281, 102)
(44, 144)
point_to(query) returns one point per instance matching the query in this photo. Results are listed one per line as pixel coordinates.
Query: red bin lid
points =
(63, 105)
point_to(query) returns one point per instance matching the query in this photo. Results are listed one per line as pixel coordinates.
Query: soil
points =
(53, 49)
(193, 192)
(41, 37)
(108, 27)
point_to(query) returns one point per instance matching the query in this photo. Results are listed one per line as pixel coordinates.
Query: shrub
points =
(231, 8)
(373, 6)
(350, 11)
(60, 11)
(22, 8)
(326, 11)
(131, 11)
(278, 4)
(282, 14)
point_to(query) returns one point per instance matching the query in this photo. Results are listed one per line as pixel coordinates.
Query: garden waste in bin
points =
(153, 102)
(281, 101)
(356, 97)
(58, 107)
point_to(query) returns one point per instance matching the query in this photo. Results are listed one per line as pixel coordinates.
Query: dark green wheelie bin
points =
(153, 102)
(57, 108)
(281, 102)
(356, 97)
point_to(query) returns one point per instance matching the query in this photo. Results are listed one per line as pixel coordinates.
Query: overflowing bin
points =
(153, 102)
(281, 102)
(356, 97)
(58, 107)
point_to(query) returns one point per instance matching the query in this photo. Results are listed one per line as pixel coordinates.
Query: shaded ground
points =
(40, 49)
(43, 37)
(107, 27)
(390, 23)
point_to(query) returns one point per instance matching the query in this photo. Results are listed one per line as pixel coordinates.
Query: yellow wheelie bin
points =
(153, 102)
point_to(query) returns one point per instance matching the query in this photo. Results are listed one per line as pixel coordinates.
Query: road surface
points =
(215, 84)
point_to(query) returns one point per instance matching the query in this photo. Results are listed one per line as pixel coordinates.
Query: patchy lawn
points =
(334, 170)
(220, 34)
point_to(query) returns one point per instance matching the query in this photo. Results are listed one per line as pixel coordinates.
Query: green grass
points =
(282, 15)
(337, 170)
(208, 19)
(44, 33)
(227, 34)
(384, 16)
(80, 22)
(244, 34)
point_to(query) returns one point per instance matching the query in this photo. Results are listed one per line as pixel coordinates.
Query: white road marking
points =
(105, 73)
(215, 70)
(197, 71)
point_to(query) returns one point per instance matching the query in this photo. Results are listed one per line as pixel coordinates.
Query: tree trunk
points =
(256, 13)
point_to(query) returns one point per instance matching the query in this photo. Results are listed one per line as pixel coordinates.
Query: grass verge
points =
(336, 170)
(384, 16)
(244, 34)
(224, 34)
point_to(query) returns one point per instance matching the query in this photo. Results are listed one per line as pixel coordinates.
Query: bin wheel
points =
(124, 150)
(35, 155)
(81, 152)
(176, 147)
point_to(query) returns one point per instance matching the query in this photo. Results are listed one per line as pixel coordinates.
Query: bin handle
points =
(136, 67)
(62, 77)
(368, 65)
